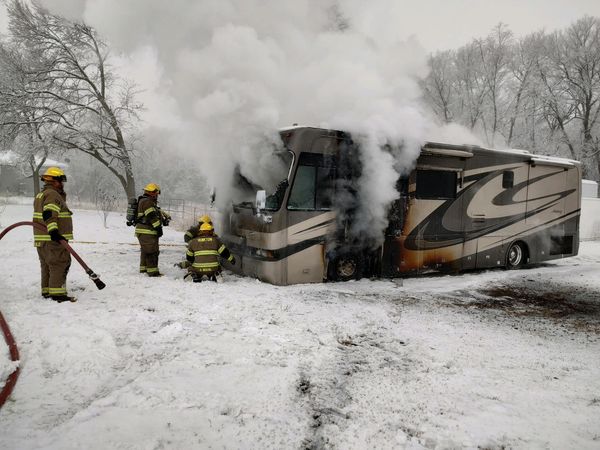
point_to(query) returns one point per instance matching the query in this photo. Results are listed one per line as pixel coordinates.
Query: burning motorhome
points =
(457, 207)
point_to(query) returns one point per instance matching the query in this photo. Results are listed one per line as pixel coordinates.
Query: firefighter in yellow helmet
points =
(203, 254)
(149, 229)
(194, 231)
(50, 209)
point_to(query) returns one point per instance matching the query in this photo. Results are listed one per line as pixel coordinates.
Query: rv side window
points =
(302, 195)
(436, 184)
(508, 179)
(314, 183)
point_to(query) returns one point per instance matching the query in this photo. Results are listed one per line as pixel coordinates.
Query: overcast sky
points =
(443, 24)
(440, 25)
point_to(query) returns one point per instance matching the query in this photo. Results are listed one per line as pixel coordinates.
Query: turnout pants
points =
(55, 261)
(148, 254)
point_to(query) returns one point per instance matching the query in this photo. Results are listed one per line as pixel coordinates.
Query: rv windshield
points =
(283, 163)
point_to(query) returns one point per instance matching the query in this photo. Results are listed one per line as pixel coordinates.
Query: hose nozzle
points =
(97, 281)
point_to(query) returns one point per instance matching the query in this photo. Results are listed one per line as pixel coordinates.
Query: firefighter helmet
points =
(152, 188)
(204, 219)
(54, 173)
(206, 227)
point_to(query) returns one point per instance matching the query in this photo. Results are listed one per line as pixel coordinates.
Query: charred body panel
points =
(461, 208)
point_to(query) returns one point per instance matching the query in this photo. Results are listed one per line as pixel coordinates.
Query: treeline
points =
(540, 92)
(60, 96)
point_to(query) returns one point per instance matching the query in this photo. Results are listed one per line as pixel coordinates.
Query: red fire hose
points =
(99, 284)
(14, 352)
(14, 356)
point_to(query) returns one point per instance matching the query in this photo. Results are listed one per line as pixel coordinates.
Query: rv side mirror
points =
(261, 200)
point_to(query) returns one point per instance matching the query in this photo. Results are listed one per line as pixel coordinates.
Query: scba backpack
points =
(132, 211)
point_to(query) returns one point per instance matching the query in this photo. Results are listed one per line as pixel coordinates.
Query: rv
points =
(461, 207)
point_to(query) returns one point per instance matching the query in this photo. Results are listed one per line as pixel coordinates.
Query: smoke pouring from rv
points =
(221, 77)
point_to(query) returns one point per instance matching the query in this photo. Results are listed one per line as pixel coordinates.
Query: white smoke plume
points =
(224, 75)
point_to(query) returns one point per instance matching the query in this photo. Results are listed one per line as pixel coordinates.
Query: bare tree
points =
(21, 127)
(471, 85)
(576, 59)
(71, 87)
(521, 87)
(542, 91)
(439, 86)
(106, 202)
(495, 53)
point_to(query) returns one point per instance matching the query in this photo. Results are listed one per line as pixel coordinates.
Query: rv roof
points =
(554, 160)
(294, 127)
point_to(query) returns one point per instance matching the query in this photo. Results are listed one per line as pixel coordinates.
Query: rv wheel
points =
(345, 267)
(515, 257)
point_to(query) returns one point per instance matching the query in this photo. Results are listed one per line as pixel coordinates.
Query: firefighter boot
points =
(63, 298)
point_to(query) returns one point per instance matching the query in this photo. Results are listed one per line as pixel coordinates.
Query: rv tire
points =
(346, 267)
(516, 255)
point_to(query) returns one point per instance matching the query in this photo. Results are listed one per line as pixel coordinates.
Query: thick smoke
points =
(223, 75)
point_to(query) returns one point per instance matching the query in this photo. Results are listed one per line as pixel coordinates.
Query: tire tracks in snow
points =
(334, 382)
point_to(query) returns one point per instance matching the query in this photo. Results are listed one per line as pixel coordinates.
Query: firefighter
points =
(193, 232)
(203, 254)
(50, 209)
(149, 229)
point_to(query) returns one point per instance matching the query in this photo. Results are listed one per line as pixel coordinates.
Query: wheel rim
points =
(346, 268)
(515, 255)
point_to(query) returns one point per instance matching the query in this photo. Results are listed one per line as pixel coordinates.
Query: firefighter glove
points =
(159, 231)
(232, 260)
(56, 236)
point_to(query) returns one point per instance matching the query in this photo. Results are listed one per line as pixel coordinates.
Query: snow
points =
(427, 362)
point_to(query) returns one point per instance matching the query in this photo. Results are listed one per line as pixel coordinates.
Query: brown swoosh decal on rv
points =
(448, 232)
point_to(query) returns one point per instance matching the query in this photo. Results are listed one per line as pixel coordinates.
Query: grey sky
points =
(447, 24)
(443, 24)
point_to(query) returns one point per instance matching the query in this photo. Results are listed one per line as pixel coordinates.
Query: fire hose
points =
(12, 346)
(99, 284)
(14, 356)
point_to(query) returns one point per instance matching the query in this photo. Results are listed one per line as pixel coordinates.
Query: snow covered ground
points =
(496, 359)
